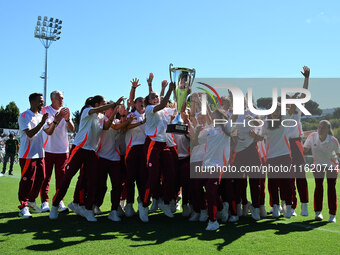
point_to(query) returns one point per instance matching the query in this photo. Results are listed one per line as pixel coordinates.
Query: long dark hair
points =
(146, 100)
(92, 101)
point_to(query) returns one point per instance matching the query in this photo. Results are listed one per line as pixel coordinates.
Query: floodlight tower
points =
(47, 30)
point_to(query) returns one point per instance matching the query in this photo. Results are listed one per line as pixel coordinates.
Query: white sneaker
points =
(166, 210)
(143, 212)
(225, 212)
(74, 207)
(194, 216)
(204, 215)
(288, 212)
(233, 218)
(62, 208)
(122, 203)
(332, 218)
(318, 215)
(212, 225)
(186, 210)
(120, 211)
(54, 213)
(304, 209)
(245, 209)
(25, 213)
(96, 210)
(114, 216)
(293, 212)
(178, 206)
(45, 207)
(173, 205)
(263, 212)
(129, 211)
(255, 212)
(154, 206)
(276, 211)
(283, 207)
(239, 209)
(89, 215)
(33, 206)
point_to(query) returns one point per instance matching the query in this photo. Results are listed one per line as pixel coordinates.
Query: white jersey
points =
(156, 124)
(33, 147)
(244, 140)
(58, 141)
(107, 145)
(218, 147)
(198, 151)
(323, 152)
(276, 139)
(183, 145)
(135, 136)
(170, 139)
(90, 128)
(295, 132)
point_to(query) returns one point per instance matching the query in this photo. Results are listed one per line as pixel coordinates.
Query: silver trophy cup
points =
(183, 79)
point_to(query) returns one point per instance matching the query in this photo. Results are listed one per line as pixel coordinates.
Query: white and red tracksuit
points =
(324, 154)
(83, 155)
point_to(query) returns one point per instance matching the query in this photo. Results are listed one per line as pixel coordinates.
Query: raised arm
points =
(164, 85)
(135, 85)
(105, 107)
(149, 81)
(165, 100)
(306, 73)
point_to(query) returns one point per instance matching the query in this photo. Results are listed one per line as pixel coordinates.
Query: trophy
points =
(183, 79)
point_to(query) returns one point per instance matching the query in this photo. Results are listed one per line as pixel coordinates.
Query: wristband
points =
(133, 87)
(67, 120)
(55, 123)
(123, 115)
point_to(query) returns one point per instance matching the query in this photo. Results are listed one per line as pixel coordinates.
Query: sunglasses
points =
(154, 96)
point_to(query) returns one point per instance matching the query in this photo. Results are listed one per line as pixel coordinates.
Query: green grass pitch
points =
(72, 234)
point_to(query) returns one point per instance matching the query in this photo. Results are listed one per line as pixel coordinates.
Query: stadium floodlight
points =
(60, 22)
(47, 32)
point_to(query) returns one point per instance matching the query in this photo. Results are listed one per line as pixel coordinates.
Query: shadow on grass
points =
(159, 230)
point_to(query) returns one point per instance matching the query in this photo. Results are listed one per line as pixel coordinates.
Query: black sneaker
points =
(10, 173)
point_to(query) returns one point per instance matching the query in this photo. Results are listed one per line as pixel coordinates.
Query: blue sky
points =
(104, 44)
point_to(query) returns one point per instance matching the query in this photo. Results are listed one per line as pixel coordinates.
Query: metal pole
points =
(45, 77)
